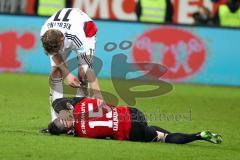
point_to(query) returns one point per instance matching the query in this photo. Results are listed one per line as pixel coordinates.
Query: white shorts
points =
(84, 58)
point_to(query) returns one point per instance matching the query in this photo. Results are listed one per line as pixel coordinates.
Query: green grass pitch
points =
(24, 109)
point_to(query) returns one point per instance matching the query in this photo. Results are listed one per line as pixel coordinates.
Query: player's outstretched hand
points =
(73, 81)
(100, 102)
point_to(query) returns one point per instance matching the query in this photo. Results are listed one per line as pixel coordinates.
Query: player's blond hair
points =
(52, 41)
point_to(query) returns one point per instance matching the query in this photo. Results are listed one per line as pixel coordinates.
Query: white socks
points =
(56, 91)
(161, 136)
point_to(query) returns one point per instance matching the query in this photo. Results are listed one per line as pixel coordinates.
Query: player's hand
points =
(66, 118)
(73, 81)
(66, 123)
(100, 102)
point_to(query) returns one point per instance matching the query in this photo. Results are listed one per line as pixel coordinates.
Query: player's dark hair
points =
(54, 129)
(52, 41)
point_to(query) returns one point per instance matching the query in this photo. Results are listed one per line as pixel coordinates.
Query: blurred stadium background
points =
(196, 40)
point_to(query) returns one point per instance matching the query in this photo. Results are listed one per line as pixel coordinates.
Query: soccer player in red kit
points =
(84, 118)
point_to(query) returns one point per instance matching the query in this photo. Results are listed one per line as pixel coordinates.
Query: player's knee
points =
(150, 134)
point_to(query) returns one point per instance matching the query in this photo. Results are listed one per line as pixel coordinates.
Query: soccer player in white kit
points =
(69, 30)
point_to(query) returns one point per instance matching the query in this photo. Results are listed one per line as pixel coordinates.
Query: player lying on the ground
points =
(84, 118)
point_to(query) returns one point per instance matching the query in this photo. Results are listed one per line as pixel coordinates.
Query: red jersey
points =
(96, 122)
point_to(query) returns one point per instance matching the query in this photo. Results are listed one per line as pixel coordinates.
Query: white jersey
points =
(71, 22)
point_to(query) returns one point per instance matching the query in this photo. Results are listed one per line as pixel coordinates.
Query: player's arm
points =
(87, 60)
(72, 81)
(91, 76)
(53, 41)
(65, 103)
(93, 81)
(62, 104)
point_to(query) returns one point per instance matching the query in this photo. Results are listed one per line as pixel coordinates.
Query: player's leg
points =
(56, 91)
(178, 138)
(56, 88)
(83, 90)
(85, 61)
(140, 131)
(182, 138)
(160, 129)
(56, 81)
(138, 127)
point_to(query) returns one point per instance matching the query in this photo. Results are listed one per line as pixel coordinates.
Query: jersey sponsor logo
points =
(182, 52)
